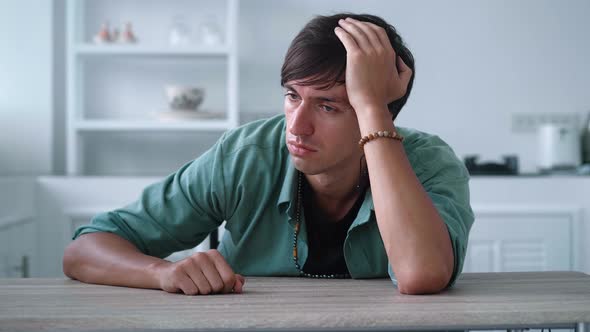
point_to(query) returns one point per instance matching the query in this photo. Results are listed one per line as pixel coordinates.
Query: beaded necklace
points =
(296, 232)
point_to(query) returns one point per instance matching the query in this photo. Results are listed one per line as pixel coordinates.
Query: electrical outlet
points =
(529, 122)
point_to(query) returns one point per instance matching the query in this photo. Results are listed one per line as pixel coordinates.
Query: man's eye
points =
(291, 96)
(327, 108)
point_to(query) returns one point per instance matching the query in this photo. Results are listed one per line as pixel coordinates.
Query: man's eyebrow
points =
(289, 87)
(330, 99)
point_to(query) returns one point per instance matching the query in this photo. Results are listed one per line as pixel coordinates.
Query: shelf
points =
(116, 49)
(123, 74)
(151, 125)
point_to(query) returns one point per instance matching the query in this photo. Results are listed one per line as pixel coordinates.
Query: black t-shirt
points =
(326, 238)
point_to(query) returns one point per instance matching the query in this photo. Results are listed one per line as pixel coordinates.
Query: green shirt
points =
(248, 180)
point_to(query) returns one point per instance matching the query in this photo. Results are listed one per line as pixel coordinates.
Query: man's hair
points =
(317, 57)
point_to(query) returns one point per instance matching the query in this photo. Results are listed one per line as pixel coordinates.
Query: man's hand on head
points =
(373, 79)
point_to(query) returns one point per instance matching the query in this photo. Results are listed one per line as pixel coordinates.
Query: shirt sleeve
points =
(451, 199)
(175, 214)
(446, 180)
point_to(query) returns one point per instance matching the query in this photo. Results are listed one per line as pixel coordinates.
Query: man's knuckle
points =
(198, 258)
(355, 53)
(206, 290)
(192, 291)
(229, 279)
(184, 287)
(214, 253)
(178, 268)
(217, 286)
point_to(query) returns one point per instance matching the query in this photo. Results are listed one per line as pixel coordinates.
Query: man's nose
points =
(301, 121)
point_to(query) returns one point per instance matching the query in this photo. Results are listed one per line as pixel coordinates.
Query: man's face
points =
(322, 130)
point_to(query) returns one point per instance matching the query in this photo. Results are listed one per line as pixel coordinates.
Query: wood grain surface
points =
(478, 300)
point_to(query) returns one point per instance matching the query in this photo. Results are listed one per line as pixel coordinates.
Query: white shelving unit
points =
(122, 125)
(93, 68)
(90, 49)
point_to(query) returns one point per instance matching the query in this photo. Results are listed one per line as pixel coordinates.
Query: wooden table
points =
(478, 301)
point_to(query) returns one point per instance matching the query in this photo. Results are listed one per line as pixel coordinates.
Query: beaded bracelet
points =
(378, 134)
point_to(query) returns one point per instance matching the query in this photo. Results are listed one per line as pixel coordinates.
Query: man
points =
(299, 196)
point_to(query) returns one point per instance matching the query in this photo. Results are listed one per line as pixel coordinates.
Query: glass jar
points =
(180, 32)
(210, 32)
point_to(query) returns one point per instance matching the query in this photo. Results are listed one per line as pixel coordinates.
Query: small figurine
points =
(103, 35)
(127, 36)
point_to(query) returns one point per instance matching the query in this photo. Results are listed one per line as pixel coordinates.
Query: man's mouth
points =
(299, 149)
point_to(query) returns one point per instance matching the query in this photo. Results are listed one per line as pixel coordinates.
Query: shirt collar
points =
(288, 191)
(365, 212)
(287, 196)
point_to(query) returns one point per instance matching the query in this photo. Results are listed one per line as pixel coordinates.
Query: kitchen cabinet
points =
(522, 224)
(524, 238)
(17, 247)
(530, 223)
(18, 233)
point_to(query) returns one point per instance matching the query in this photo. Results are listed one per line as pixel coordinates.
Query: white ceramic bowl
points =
(185, 98)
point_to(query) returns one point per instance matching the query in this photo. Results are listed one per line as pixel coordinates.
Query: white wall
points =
(26, 87)
(477, 62)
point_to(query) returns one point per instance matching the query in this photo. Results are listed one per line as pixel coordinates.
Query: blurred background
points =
(99, 98)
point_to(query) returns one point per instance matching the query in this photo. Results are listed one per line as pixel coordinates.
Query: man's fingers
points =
(228, 277)
(349, 43)
(187, 285)
(401, 65)
(381, 43)
(405, 72)
(198, 278)
(357, 33)
(212, 274)
(207, 273)
(370, 34)
(239, 285)
(382, 35)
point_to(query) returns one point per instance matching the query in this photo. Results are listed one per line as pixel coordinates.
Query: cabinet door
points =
(17, 249)
(522, 239)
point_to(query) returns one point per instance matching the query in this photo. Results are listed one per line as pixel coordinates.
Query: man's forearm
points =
(416, 239)
(105, 258)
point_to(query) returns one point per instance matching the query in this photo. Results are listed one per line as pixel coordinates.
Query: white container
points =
(559, 147)
(184, 98)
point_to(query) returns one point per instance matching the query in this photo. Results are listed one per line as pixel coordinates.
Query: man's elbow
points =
(70, 260)
(420, 282)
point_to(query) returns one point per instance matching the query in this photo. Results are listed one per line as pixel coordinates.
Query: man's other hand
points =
(202, 273)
